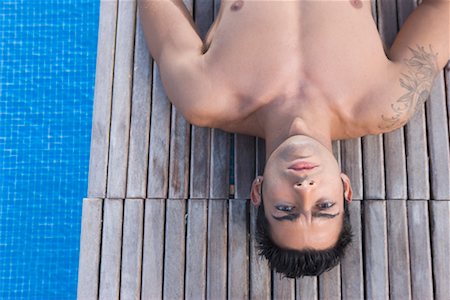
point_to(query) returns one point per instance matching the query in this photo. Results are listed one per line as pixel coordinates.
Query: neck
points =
(277, 133)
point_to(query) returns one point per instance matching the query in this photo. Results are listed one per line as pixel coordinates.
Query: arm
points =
(419, 52)
(175, 45)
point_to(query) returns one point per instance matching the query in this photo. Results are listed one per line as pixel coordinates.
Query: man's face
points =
(303, 195)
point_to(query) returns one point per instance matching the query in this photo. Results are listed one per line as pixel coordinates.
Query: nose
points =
(304, 182)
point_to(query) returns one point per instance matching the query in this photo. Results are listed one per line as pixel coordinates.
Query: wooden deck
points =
(161, 220)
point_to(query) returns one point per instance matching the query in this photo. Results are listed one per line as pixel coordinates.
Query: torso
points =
(300, 55)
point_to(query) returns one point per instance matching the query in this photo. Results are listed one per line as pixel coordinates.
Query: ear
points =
(255, 194)
(348, 192)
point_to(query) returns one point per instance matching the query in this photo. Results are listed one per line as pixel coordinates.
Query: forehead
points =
(320, 234)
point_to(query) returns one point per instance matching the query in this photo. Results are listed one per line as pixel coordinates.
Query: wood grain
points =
(260, 275)
(244, 165)
(158, 164)
(420, 251)
(140, 118)
(216, 280)
(238, 283)
(195, 287)
(111, 249)
(438, 142)
(220, 165)
(306, 288)
(352, 165)
(352, 279)
(373, 165)
(283, 288)
(174, 249)
(133, 235)
(101, 116)
(121, 101)
(440, 235)
(375, 248)
(153, 254)
(399, 271)
(330, 284)
(90, 243)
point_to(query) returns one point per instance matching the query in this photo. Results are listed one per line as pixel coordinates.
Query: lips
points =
(303, 166)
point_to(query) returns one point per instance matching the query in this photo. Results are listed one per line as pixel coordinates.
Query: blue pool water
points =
(47, 72)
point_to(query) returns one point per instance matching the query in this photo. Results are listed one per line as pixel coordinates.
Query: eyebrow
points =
(293, 217)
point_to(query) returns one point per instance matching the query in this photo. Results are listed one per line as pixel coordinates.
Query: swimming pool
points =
(47, 73)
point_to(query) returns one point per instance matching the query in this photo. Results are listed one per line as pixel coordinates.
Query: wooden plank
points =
(89, 263)
(330, 284)
(397, 228)
(438, 141)
(306, 288)
(133, 233)
(153, 254)
(121, 101)
(260, 156)
(140, 118)
(200, 162)
(244, 165)
(179, 156)
(204, 15)
(174, 249)
(111, 249)
(196, 249)
(283, 288)
(337, 151)
(352, 264)
(415, 133)
(352, 165)
(440, 234)
(375, 249)
(373, 165)
(238, 250)
(420, 250)
(220, 165)
(158, 165)
(260, 275)
(216, 280)
(101, 118)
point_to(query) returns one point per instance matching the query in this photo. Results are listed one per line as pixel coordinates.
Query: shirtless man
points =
(298, 74)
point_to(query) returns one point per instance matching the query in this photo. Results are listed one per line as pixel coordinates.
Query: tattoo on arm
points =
(417, 83)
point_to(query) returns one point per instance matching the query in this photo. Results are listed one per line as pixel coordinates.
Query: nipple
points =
(237, 5)
(356, 3)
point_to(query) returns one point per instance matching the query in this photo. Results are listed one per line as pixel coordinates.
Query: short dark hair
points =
(298, 263)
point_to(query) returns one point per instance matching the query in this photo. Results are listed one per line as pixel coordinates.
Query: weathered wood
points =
(415, 133)
(101, 117)
(196, 249)
(200, 163)
(216, 280)
(179, 156)
(337, 151)
(397, 229)
(330, 284)
(89, 265)
(352, 279)
(260, 156)
(133, 231)
(220, 165)
(420, 251)
(238, 250)
(306, 288)
(121, 101)
(283, 288)
(373, 165)
(174, 249)
(375, 248)
(111, 249)
(158, 164)
(140, 118)
(260, 275)
(153, 254)
(244, 165)
(440, 234)
(438, 141)
(352, 165)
